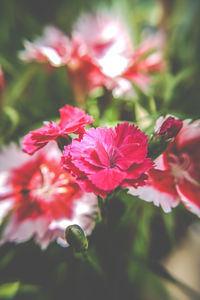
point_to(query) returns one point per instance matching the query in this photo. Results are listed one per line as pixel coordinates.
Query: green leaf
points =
(9, 290)
(13, 120)
(18, 86)
(7, 66)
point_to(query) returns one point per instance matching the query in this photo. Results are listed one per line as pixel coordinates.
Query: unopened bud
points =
(170, 127)
(165, 132)
(76, 238)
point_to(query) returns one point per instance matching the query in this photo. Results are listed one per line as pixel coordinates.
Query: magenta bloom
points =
(73, 120)
(177, 174)
(107, 158)
(42, 198)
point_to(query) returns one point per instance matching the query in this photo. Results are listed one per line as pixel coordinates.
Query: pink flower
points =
(99, 53)
(177, 174)
(103, 33)
(52, 47)
(107, 158)
(73, 120)
(109, 45)
(56, 49)
(85, 75)
(146, 60)
(42, 198)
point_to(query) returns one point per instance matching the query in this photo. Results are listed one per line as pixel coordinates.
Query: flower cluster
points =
(69, 165)
(45, 198)
(99, 53)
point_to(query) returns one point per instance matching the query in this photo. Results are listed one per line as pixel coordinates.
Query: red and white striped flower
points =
(42, 198)
(176, 177)
(99, 53)
(109, 44)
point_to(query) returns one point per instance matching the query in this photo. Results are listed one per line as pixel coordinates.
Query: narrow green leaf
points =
(9, 290)
(18, 86)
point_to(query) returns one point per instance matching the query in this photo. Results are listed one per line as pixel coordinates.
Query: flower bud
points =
(170, 127)
(165, 132)
(76, 238)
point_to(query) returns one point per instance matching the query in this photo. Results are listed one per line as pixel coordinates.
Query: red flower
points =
(177, 174)
(43, 198)
(73, 120)
(107, 158)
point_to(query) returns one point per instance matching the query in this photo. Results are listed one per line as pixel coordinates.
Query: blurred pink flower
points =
(109, 44)
(99, 53)
(103, 33)
(52, 47)
(85, 75)
(107, 158)
(73, 120)
(56, 49)
(43, 199)
(146, 60)
(177, 174)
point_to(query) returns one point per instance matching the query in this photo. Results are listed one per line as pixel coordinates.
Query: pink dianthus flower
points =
(107, 158)
(41, 198)
(73, 120)
(99, 53)
(110, 46)
(84, 73)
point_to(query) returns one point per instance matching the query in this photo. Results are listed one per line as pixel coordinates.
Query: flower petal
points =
(190, 196)
(107, 179)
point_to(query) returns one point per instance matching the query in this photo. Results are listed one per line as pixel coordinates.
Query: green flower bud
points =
(76, 238)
